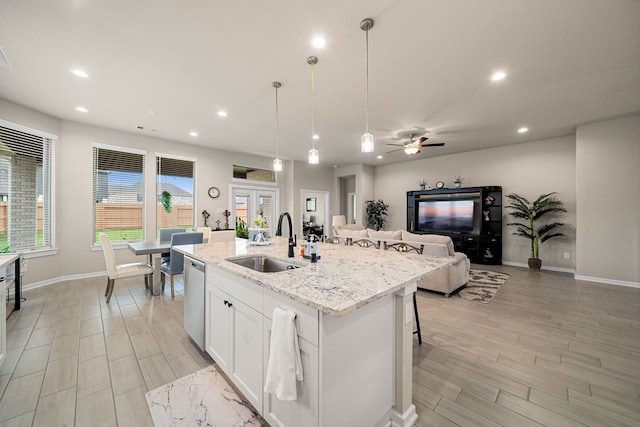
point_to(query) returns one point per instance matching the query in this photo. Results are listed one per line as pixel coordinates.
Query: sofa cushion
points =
(384, 235)
(352, 227)
(352, 233)
(429, 238)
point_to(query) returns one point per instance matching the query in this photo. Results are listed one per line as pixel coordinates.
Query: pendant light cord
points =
(277, 126)
(366, 79)
(313, 112)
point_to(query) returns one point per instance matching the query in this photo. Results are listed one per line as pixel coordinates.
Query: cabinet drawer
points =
(240, 289)
(307, 318)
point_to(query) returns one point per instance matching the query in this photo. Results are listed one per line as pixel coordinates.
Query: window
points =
(26, 183)
(118, 193)
(174, 190)
(253, 174)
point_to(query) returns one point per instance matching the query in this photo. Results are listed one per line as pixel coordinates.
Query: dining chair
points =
(115, 271)
(406, 247)
(364, 243)
(175, 265)
(222, 236)
(165, 236)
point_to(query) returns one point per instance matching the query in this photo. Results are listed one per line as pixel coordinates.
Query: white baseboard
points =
(58, 280)
(607, 281)
(580, 277)
(551, 268)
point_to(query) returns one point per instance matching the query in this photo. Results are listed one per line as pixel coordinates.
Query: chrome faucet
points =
(292, 239)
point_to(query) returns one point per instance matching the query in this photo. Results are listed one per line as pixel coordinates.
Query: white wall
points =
(608, 193)
(74, 187)
(529, 169)
(311, 178)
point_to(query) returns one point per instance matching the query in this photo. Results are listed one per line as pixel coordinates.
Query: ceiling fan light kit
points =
(277, 163)
(314, 155)
(367, 143)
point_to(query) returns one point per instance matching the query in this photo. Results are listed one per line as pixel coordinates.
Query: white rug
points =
(203, 398)
(482, 285)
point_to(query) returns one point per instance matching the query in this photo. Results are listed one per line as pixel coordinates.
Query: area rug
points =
(482, 285)
(203, 398)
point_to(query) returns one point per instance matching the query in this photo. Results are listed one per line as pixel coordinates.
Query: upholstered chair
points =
(120, 271)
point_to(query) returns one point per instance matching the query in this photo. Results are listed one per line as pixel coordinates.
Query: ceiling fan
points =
(413, 146)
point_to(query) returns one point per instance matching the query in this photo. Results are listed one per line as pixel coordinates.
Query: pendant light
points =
(314, 156)
(366, 141)
(277, 163)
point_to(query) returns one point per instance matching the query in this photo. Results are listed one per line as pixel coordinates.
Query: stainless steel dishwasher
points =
(194, 288)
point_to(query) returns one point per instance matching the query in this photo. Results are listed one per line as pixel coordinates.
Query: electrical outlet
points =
(408, 313)
(567, 255)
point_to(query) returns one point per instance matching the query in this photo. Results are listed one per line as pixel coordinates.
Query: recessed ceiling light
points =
(222, 113)
(319, 42)
(498, 75)
(80, 73)
(523, 130)
(193, 133)
(315, 136)
(82, 109)
(378, 157)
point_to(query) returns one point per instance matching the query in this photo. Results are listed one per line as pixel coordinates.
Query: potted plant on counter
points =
(541, 221)
(376, 213)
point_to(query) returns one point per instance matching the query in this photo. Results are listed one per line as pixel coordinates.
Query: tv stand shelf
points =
(447, 212)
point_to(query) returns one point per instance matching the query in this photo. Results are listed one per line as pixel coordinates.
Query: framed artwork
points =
(311, 204)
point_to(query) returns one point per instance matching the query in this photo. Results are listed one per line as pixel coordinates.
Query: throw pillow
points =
(430, 238)
(352, 233)
(384, 235)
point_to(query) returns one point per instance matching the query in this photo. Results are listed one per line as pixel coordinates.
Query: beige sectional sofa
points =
(446, 280)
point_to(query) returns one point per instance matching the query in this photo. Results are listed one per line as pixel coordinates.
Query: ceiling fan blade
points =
(393, 151)
(397, 145)
(434, 144)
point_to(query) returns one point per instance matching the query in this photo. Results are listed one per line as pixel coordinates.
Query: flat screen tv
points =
(452, 216)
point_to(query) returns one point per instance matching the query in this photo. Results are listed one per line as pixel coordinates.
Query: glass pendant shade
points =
(277, 165)
(314, 157)
(366, 143)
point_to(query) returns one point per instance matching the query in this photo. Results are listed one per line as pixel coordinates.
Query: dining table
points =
(153, 249)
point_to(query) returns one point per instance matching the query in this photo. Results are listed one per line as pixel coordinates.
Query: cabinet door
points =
(3, 316)
(218, 327)
(246, 352)
(304, 410)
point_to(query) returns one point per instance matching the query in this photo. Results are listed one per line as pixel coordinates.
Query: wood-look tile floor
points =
(72, 359)
(547, 350)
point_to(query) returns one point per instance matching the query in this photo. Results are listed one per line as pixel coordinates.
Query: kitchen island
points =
(354, 318)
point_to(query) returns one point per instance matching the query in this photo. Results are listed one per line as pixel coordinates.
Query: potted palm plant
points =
(541, 221)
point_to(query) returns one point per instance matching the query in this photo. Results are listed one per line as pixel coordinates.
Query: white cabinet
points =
(3, 316)
(234, 333)
(218, 327)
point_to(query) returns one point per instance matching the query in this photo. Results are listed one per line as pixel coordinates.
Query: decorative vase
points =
(422, 186)
(534, 264)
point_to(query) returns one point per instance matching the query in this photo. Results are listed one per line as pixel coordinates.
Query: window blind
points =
(26, 190)
(175, 187)
(118, 193)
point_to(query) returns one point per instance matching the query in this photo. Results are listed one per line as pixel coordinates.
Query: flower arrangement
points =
(260, 222)
(206, 216)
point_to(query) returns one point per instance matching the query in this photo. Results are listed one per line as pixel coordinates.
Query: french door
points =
(248, 203)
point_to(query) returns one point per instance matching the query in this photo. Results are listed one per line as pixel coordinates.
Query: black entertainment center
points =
(471, 216)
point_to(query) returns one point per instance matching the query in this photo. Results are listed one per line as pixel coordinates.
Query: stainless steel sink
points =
(263, 263)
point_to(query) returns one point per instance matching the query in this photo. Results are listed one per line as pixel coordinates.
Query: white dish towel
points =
(285, 364)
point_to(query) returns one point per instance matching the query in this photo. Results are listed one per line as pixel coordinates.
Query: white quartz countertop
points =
(6, 259)
(344, 279)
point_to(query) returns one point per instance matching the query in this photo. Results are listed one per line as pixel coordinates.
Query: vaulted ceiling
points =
(169, 66)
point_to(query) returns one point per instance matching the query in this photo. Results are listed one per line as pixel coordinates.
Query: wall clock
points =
(214, 193)
(440, 184)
